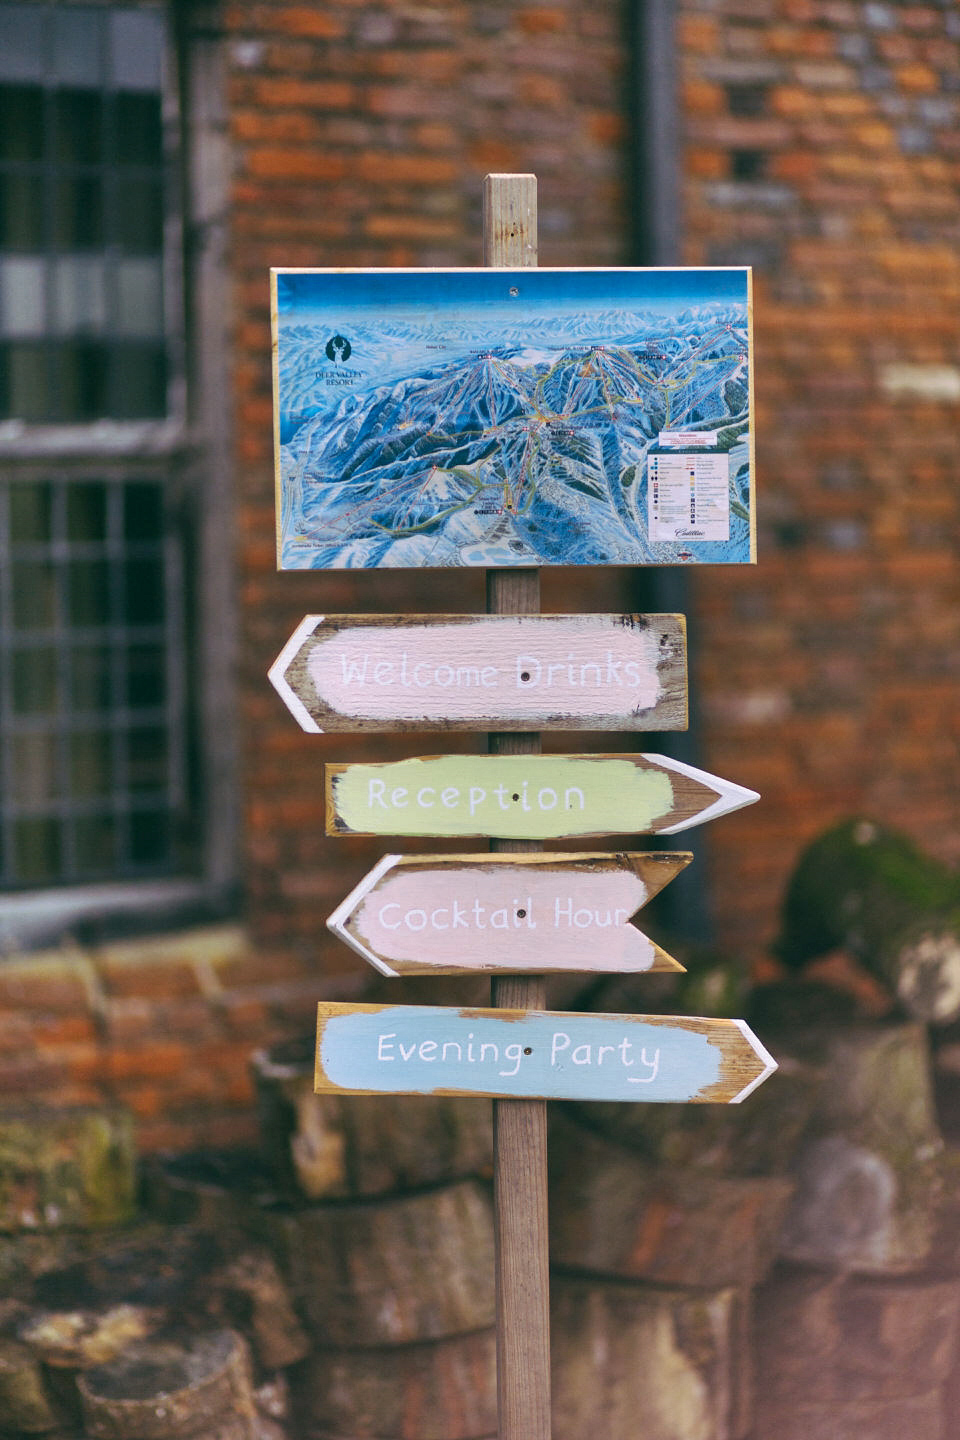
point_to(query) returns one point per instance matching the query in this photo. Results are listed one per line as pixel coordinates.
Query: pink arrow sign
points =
(472, 672)
(453, 914)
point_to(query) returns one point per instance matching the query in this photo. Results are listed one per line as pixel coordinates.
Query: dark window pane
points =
(21, 122)
(33, 594)
(142, 511)
(138, 216)
(21, 212)
(87, 511)
(30, 513)
(90, 769)
(149, 837)
(80, 371)
(88, 592)
(34, 677)
(36, 848)
(144, 589)
(24, 387)
(147, 759)
(146, 676)
(90, 678)
(78, 126)
(34, 763)
(138, 384)
(139, 131)
(95, 843)
(77, 211)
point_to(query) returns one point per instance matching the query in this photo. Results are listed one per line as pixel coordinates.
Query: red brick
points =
(271, 91)
(273, 163)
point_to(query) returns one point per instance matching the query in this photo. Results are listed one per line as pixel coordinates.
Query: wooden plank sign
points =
(526, 797)
(504, 672)
(433, 1050)
(459, 914)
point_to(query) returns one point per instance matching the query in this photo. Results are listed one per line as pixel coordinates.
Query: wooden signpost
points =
(460, 914)
(541, 479)
(526, 797)
(463, 672)
(432, 1050)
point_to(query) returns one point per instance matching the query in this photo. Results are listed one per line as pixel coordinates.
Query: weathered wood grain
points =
(441, 1390)
(632, 1362)
(614, 1213)
(514, 913)
(420, 1049)
(503, 672)
(522, 1257)
(519, 797)
(403, 1270)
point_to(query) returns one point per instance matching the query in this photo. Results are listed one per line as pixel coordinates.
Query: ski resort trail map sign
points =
(505, 418)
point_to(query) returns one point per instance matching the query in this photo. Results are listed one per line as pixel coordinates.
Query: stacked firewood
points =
(857, 1326)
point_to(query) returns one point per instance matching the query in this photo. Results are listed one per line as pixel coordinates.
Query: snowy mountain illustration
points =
(445, 444)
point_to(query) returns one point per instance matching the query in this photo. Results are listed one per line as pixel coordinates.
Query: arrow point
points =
(656, 957)
(729, 796)
(277, 674)
(762, 1054)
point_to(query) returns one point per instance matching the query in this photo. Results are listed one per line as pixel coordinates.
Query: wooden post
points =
(519, 1126)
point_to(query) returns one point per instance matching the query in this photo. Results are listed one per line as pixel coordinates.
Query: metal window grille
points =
(94, 724)
(93, 735)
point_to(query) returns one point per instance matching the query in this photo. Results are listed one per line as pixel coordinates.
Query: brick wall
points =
(164, 1026)
(822, 145)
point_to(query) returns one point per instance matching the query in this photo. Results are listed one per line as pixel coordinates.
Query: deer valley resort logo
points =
(338, 350)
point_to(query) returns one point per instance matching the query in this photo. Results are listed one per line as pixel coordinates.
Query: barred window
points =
(99, 770)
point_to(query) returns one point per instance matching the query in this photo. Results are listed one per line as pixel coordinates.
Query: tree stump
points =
(854, 1338)
(871, 891)
(631, 1361)
(66, 1168)
(615, 1214)
(331, 1146)
(25, 1405)
(444, 1390)
(868, 1174)
(393, 1271)
(918, 1418)
(760, 1137)
(253, 1298)
(167, 1390)
(209, 1190)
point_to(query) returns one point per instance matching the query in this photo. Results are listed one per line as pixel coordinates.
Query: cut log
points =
(444, 1390)
(760, 1137)
(613, 1213)
(164, 1390)
(253, 1298)
(846, 1338)
(392, 1272)
(918, 1418)
(868, 1173)
(25, 1404)
(213, 1190)
(82, 1339)
(631, 1361)
(329, 1146)
(873, 892)
(66, 1168)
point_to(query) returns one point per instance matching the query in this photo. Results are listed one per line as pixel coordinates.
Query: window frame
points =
(192, 445)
